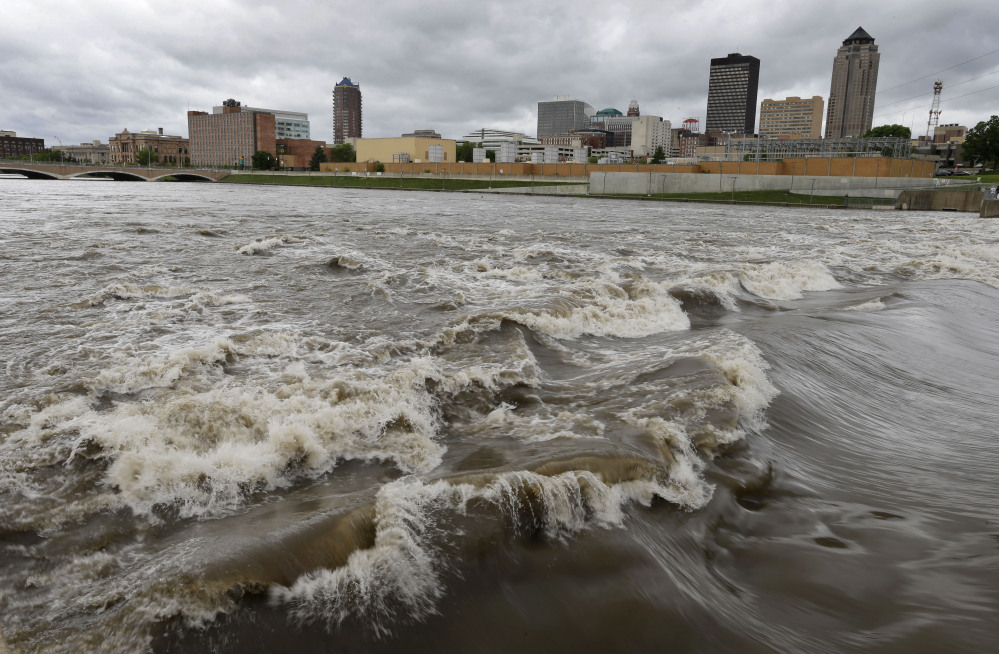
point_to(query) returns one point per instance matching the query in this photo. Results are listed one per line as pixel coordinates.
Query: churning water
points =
(249, 419)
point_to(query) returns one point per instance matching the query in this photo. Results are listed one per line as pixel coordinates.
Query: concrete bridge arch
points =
(117, 173)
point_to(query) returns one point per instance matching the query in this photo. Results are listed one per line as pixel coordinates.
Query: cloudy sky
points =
(85, 70)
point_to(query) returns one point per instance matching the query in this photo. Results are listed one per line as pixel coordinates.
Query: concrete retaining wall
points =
(942, 200)
(990, 209)
(649, 183)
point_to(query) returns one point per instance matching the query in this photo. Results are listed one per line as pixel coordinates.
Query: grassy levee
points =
(418, 183)
(778, 197)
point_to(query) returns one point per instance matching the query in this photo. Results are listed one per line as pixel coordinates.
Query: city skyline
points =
(85, 73)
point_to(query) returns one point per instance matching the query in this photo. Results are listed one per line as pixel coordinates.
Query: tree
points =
(146, 157)
(491, 155)
(659, 155)
(881, 131)
(981, 143)
(592, 160)
(54, 154)
(263, 160)
(318, 157)
(343, 153)
(465, 151)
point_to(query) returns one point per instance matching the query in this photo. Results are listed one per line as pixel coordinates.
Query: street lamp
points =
(62, 158)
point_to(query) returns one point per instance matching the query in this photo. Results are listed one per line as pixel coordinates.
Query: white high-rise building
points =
(289, 124)
(493, 139)
(649, 133)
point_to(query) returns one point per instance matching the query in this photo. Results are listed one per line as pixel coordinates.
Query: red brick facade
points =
(230, 138)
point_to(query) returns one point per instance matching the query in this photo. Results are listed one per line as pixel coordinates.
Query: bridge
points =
(118, 173)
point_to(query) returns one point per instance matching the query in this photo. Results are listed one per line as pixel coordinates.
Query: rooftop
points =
(859, 36)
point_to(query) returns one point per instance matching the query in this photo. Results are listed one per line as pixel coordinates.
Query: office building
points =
(854, 83)
(494, 139)
(230, 138)
(94, 152)
(562, 115)
(12, 145)
(406, 149)
(296, 154)
(290, 124)
(950, 133)
(124, 146)
(423, 134)
(649, 133)
(732, 88)
(603, 114)
(791, 118)
(618, 129)
(346, 111)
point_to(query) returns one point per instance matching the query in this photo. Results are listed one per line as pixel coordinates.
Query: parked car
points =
(962, 172)
(945, 172)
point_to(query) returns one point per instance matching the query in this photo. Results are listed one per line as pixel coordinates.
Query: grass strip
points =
(420, 183)
(767, 197)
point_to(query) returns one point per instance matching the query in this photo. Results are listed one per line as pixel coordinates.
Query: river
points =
(254, 419)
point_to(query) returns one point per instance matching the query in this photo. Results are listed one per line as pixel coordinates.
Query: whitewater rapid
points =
(340, 412)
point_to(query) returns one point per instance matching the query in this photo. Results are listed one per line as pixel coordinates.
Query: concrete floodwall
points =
(873, 167)
(652, 183)
(524, 169)
(990, 209)
(942, 200)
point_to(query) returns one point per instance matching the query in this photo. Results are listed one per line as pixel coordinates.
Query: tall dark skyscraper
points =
(854, 83)
(732, 89)
(346, 111)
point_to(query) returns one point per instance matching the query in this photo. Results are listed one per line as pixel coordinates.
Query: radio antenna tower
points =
(934, 110)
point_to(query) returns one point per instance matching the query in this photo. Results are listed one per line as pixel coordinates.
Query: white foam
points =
(124, 290)
(531, 427)
(722, 285)
(605, 309)
(163, 371)
(786, 280)
(207, 449)
(207, 439)
(871, 306)
(400, 576)
(262, 245)
(743, 365)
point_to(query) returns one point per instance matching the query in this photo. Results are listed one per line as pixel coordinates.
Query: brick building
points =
(297, 153)
(11, 145)
(346, 111)
(230, 138)
(125, 145)
(290, 124)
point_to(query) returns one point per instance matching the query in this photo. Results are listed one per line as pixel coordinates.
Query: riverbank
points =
(420, 183)
(520, 187)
